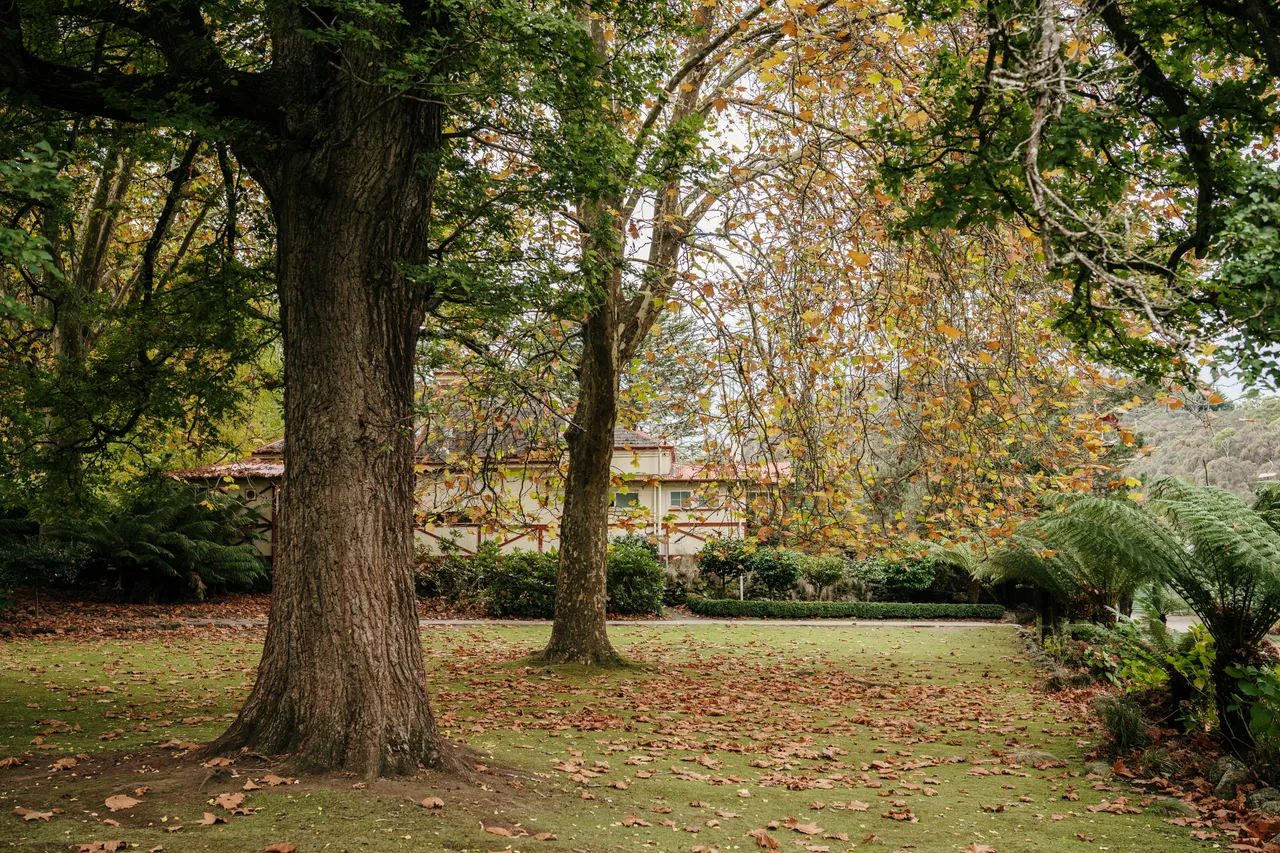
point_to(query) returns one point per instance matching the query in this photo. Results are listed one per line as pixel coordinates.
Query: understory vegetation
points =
(522, 583)
(1119, 567)
(165, 541)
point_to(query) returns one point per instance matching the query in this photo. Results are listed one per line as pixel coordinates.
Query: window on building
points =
(685, 499)
(626, 500)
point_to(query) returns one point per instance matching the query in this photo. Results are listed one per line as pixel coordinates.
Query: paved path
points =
(661, 623)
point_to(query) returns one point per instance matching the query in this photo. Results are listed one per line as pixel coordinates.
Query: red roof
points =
(720, 472)
(267, 460)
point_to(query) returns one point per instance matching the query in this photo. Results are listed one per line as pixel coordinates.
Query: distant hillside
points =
(1231, 449)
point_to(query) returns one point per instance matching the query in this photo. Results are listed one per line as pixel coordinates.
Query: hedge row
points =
(842, 609)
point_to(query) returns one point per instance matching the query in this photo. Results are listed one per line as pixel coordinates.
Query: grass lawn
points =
(877, 739)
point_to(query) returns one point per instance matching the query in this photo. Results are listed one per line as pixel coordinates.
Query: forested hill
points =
(1230, 448)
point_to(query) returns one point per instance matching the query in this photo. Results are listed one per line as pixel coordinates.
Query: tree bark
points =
(342, 683)
(578, 634)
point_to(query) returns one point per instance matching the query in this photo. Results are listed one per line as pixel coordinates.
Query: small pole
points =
(741, 595)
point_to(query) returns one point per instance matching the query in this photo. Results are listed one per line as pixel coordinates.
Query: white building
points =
(515, 501)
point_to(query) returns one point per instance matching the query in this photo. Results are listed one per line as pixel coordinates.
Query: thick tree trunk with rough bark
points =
(578, 633)
(342, 683)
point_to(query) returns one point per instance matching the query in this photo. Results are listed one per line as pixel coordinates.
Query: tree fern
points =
(175, 536)
(1220, 555)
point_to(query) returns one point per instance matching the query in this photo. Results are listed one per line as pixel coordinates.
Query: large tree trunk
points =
(578, 633)
(342, 684)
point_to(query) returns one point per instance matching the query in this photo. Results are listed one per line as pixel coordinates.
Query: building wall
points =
(677, 531)
(526, 501)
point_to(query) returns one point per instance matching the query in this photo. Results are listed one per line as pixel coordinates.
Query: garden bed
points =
(728, 607)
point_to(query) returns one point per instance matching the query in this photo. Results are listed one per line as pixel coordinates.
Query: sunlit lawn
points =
(879, 738)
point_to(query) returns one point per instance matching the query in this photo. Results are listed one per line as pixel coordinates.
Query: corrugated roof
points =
(721, 472)
(267, 460)
(256, 468)
(624, 437)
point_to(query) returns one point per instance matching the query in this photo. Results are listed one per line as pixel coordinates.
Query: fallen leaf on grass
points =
(218, 761)
(764, 839)
(975, 847)
(11, 761)
(229, 801)
(1119, 806)
(433, 803)
(174, 743)
(32, 814)
(803, 828)
(497, 830)
(279, 847)
(632, 820)
(120, 801)
(274, 780)
(102, 846)
(65, 763)
(250, 785)
(545, 836)
(858, 806)
(210, 819)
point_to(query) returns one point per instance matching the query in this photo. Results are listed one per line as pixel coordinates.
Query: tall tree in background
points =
(631, 244)
(365, 127)
(1138, 138)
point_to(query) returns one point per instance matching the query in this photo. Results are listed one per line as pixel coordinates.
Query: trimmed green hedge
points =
(841, 609)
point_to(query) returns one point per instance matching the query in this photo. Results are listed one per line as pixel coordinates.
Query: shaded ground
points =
(895, 739)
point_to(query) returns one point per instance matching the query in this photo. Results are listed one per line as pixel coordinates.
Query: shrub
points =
(523, 584)
(841, 609)
(171, 540)
(674, 593)
(822, 573)
(913, 574)
(636, 540)
(635, 581)
(775, 569)
(724, 559)
(1122, 721)
(453, 575)
(1215, 552)
(39, 562)
(1258, 691)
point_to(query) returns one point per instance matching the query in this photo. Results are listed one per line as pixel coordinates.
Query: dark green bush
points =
(823, 572)
(775, 569)
(168, 541)
(523, 584)
(453, 575)
(723, 559)
(914, 574)
(635, 581)
(842, 609)
(674, 593)
(40, 562)
(636, 540)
